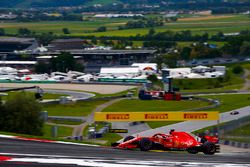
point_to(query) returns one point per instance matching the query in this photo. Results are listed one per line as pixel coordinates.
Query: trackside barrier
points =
(215, 103)
(57, 101)
(155, 116)
(77, 138)
(235, 143)
(234, 124)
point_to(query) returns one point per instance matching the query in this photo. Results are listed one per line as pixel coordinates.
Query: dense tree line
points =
(143, 23)
(63, 63)
(130, 5)
(21, 113)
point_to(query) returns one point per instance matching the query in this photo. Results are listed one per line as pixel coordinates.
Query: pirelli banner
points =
(155, 116)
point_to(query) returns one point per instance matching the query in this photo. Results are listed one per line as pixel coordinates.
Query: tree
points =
(153, 78)
(2, 32)
(173, 19)
(22, 114)
(233, 46)
(46, 38)
(245, 49)
(65, 31)
(2, 114)
(101, 29)
(185, 53)
(42, 67)
(94, 41)
(24, 32)
(171, 60)
(64, 63)
(238, 69)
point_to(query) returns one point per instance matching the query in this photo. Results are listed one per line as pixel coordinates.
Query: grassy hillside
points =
(216, 23)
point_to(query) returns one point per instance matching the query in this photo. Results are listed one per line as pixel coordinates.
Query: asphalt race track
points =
(31, 153)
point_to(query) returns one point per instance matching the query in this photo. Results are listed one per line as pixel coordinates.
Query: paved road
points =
(98, 88)
(30, 153)
(75, 94)
(247, 81)
(190, 126)
(78, 130)
(132, 129)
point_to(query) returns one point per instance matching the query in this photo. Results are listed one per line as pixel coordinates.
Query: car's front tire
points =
(209, 148)
(145, 144)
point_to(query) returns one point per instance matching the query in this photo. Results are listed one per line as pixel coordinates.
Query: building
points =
(66, 44)
(11, 44)
(20, 49)
(95, 59)
(117, 15)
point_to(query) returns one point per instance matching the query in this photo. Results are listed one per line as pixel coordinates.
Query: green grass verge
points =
(45, 95)
(158, 124)
(224, 88)
(187, 44)
(62, 131)
(47, 137)
(65, 122)
(241, 131)
(234, 23)
(230, 102)
(72, 109)
(109, 137)
(153, 105)
(248, 77)
(230, 80)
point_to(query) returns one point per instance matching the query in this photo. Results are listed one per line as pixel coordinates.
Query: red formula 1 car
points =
(172, 141)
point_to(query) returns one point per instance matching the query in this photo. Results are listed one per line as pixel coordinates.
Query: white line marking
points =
(101, 162)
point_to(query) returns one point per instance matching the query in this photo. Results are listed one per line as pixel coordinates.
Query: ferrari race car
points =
(172, 141)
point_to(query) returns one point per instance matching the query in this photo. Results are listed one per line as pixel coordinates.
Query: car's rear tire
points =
(192, 150)
(145, 144)
(203, 140)
(209, 148)
(128, 138)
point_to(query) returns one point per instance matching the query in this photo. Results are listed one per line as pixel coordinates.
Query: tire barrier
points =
(235, 144)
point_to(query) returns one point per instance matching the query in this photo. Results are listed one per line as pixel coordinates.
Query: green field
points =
(109, 137)
(74, 109)
(241, 134)
(61, 132)
(232, 23)
(187, 44)
(45, 95)
(153, 105)
(230, 102)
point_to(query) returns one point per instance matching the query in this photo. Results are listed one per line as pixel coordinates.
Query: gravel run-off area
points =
(102, 89)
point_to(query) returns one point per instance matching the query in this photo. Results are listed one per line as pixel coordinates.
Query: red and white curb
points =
(102, 162)
(44, 140)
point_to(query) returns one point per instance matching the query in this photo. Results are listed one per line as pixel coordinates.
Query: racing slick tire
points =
(209, 148)
(145, 144)
(192, 150)
(128, 138)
